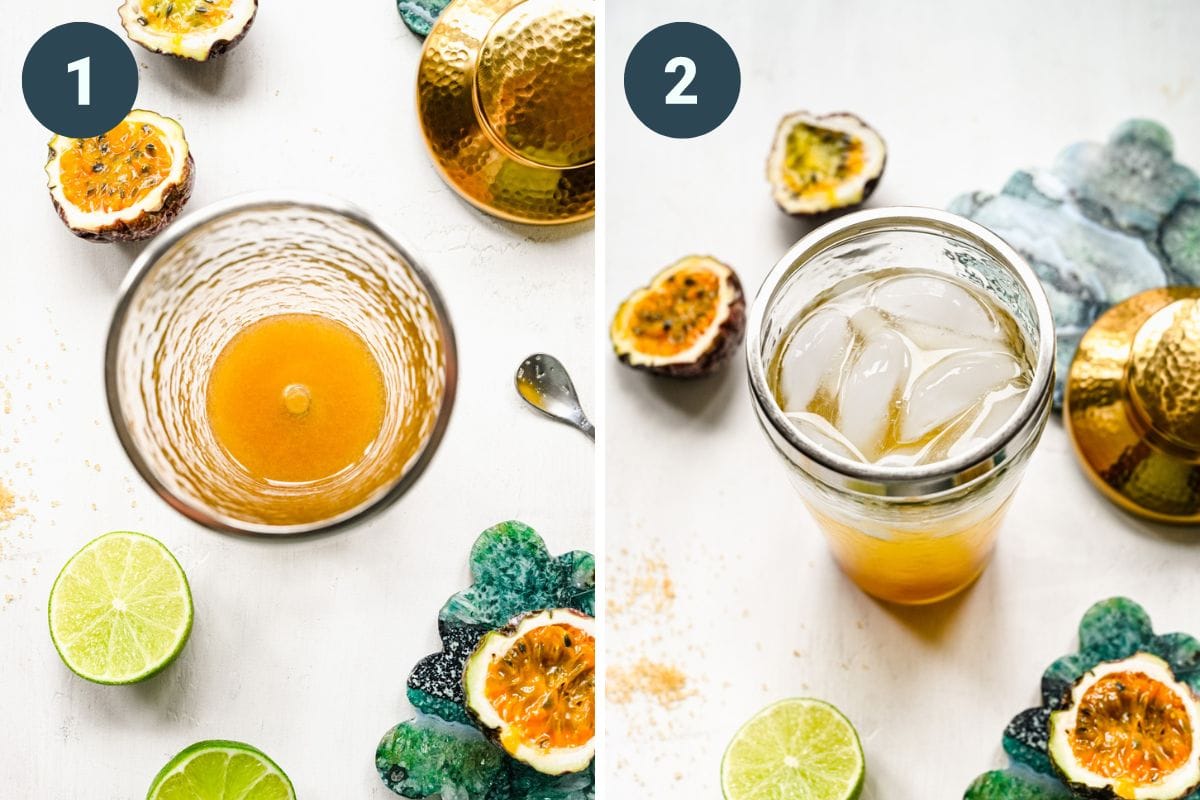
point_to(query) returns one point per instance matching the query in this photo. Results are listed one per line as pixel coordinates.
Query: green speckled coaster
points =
(1111, 630)
(428, 757)
(419, 15)
(512, 574)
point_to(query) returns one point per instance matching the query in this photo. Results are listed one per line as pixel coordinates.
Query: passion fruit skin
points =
(1085, 792)
(148, 223)
(215, 50)
(832, 209)
(726, 342)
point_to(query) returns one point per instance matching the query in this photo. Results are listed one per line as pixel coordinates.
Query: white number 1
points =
(84, 67)
(676, 96)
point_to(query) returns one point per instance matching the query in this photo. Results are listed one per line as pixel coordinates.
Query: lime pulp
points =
(799, 748)
(120, 610)
(218, 770)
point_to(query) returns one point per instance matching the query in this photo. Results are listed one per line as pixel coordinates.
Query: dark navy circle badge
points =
(682, 80)
(80, 80)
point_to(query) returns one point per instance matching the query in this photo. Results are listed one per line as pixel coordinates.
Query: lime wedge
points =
(120, 610)
(802, 749)
(219, 770)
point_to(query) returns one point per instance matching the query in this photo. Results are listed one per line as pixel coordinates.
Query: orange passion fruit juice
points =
(296, 398)
(904, 368)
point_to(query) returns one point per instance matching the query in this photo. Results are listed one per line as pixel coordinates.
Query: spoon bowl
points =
(543, 382)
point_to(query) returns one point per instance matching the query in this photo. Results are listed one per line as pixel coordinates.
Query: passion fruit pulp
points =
(824, 163)
(126, 184)
(1129, 730)
(196, 30)
(686, 323)
(531, 688)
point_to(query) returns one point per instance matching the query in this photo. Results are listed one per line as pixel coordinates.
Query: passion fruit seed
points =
(1128, 730)
(670, 321)
(126, 184)
(185, 16)
(820, 163)
(531, 687)
(544, 688)
(127, 157)
(686, 323)
(818, 158)
(1131, 726)
(192, 29)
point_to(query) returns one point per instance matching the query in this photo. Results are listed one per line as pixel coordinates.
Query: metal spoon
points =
(543, 382)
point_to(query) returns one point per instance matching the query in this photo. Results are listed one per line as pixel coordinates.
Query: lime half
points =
(219, 770)
(120, 610)
(802, 749)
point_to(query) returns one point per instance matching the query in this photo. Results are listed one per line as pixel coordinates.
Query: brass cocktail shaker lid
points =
(506, 98)
(1133, 404)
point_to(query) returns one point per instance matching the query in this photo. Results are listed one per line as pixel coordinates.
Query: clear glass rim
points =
(160, 246)
(922, 480)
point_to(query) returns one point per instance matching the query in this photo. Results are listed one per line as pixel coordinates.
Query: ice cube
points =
(869, 321)
(871, 389)
(813, 358)
(998, 409)
(824, 435)
(904, 456)
(943, 446)
(951, 387)
(935, 313)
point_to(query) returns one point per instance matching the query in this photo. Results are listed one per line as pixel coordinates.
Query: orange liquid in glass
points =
(296, 398)
(914, 567)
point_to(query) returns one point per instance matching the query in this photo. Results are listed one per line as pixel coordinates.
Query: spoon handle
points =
(589, 430)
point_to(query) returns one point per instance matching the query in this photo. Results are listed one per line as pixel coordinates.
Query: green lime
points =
(120, 610)
(218, 770)
(794, 749)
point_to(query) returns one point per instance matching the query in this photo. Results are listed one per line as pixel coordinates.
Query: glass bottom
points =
(913, 567)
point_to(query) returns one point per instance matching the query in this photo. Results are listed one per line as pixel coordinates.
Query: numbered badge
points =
(682, 80)
(80, 80)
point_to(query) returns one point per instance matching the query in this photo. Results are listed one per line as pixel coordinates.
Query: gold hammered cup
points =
(1133, 404)
(505, 95)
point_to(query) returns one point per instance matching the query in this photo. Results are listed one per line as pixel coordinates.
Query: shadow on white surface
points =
(932, 623)
(789, 229)
(1188, 535)
(545, 233)
(707, 400)
(221, 77)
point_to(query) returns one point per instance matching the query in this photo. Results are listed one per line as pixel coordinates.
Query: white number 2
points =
(84, 67)
(676, 96)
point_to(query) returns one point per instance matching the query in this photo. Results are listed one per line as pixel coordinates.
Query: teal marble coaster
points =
(419, 15)
(440, 752)
(1111, 630)
(1105, 222)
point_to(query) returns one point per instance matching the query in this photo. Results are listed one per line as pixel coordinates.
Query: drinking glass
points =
(912, 534)
(215, 272)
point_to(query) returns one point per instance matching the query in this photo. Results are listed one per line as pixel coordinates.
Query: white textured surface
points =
(964, 93)
(301, 648)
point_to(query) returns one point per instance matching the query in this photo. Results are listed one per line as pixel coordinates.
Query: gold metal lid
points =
(506, 97)
(1133, 404)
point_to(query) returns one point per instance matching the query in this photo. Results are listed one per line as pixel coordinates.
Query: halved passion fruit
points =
(196, 30)
(123, 185)
(1129, 730)
(823, 163)
(686, 323)
(532, 688)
